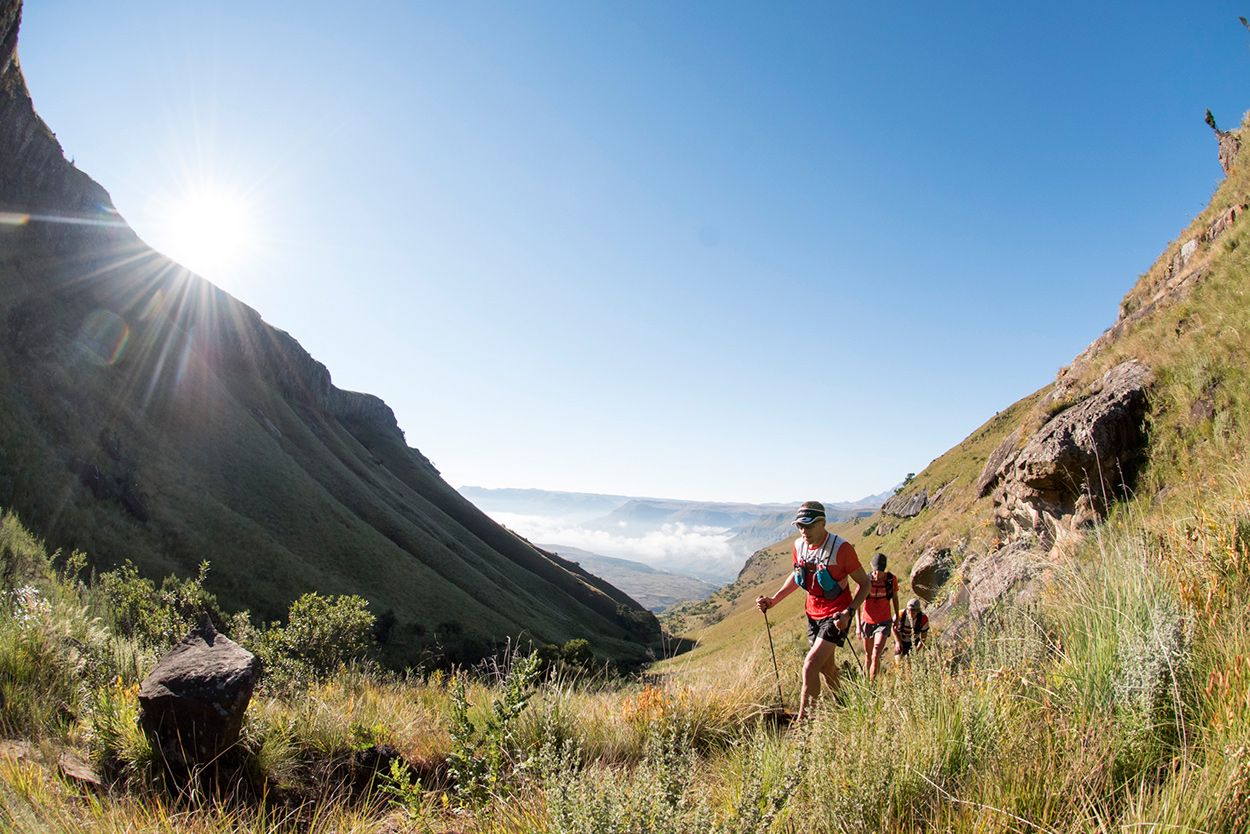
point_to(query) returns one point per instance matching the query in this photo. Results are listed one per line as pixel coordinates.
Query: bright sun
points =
(211, 230)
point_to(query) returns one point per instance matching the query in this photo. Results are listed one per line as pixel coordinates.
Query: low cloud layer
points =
(702, 552)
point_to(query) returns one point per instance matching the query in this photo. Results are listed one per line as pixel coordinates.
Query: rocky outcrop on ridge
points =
(1065, 475)
(906, 506)
(1175, 280)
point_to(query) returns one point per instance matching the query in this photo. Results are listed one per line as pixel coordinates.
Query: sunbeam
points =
(210, 229)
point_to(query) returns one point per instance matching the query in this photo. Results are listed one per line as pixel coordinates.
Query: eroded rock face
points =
(993, 467)
(906, 506)
(1230, 144)
(194, 700)
(1065, 475)
(1011, 575)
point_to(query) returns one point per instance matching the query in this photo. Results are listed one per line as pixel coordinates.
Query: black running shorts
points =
(826, 629)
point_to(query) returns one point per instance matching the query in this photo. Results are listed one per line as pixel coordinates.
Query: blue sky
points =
(717, 251)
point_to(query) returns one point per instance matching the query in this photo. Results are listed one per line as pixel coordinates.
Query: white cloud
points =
(696, 550)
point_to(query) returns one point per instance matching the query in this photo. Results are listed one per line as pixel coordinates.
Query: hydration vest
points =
(881, 591)
(883, 588)
(909, 632)
(821, 577)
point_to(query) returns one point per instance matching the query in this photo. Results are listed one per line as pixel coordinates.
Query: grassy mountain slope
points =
(147, 415)
(1187, 318)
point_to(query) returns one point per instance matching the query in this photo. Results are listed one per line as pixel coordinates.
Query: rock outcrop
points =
(930, 572)
(1065, 475)
(1229, 142)
(906, 506)
(1012, 575)
(194, 700)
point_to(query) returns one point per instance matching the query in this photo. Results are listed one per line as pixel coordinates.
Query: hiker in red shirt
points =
(824, 564)
(876, 619)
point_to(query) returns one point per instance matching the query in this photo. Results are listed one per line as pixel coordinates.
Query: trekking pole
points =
(780, 698)
(851, 639)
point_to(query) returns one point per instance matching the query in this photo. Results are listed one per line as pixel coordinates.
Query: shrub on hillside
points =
(322, 635)
(577, 654)
(155, 618)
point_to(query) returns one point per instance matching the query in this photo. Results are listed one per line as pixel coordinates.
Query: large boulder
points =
(1012, 575)
(194, 700)
(930, 572)
(1065, 475)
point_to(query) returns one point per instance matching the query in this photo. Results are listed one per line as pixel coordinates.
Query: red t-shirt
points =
(877, 608)
(820, 603)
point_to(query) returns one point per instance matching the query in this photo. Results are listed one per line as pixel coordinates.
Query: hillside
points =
(1143, 431)
(653, 588)
(146, 415)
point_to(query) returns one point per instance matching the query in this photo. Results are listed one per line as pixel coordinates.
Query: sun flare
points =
(211, 230)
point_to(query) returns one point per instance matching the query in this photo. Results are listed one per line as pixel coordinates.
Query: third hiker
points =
(912, 628)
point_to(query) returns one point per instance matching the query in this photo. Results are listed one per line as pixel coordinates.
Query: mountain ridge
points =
(150, 416)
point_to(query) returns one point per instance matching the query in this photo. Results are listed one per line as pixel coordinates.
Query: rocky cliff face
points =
(147, 415)
(1068, 473)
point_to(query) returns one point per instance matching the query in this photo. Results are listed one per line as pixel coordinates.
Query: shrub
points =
(156, 619)
(322, 635)
(577, 653)
(484, 753)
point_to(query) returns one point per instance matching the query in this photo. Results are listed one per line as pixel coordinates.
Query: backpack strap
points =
(829, 552)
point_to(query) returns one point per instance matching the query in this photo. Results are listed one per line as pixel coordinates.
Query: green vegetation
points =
(1117, 703)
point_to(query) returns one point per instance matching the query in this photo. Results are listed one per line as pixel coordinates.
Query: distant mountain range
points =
(709, 540)
(656, 589)
(574, 507)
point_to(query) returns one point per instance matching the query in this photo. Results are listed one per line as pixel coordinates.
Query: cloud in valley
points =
(698, 551)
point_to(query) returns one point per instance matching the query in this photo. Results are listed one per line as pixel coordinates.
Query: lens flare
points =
(105, 335)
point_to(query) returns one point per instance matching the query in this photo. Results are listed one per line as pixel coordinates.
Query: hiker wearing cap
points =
(824, 564)
(912, 629)
(879, 613)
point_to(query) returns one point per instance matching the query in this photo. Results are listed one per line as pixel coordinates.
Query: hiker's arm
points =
(861, 594)
(894, 599)
(788, 587)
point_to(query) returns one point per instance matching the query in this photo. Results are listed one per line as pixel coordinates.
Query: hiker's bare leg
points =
(878, 648)
(869, 659)
(831, 672)
(821, 654)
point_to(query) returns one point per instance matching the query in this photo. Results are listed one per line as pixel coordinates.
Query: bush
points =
(577, 653)
(156, 619)
(322, 635)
